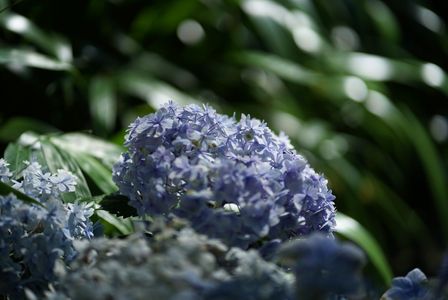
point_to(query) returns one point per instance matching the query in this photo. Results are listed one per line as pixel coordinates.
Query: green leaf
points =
(55, 160)
(162, 68)
(153, 91)
(6, 190)
(433, 165)
(124, 226)
(27, 58)
(354, 231)
(74, 152)
(54, 45)
(14, 127)
(284, 68)
(103, 104)
(384, 20)
(15, 154)
(106, 152)
(96, 171)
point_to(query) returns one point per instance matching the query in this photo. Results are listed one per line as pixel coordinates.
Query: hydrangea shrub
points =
(232, 179)
(215, 188)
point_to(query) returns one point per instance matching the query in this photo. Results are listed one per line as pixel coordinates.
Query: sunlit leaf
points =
(54, 45)
(384, 20)
(15, 155)
(100, 175)
(14, 127)
(124, 226)
(108, 153)
(103, 105)
(284, 68)
(153, 91)
(27, 58)
(354, 231)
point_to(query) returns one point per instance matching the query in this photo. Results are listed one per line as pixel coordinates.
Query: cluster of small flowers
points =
(181, 264)
(33, 237)
(233, 180)
(324, 267)
(44, 186)
(172, 264)
(416, 286)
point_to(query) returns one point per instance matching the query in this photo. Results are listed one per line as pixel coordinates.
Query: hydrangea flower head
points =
(233, 180)
(43, 185)
(413, 286)
(323, 267)
(32, 237)
(173, 264)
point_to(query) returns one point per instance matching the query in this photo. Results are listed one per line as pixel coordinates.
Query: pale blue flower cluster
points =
(178, 263)
(5, 173)
(33, 237)
(44, 185)
(173, 265)
(233, 180)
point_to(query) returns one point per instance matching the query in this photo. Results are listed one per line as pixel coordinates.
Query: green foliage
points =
(352, 230)
(87, 157)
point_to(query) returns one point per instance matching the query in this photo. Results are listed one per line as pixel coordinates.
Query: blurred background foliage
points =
(359, 85)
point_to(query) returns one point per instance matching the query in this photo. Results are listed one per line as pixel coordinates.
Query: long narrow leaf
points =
(15, 155)
(55, 160)
(122, 225)
(284, 68)
(14, 127)
(28, 58)
(106, 152)
(354, 231)
(96, 171)
(54, 45)
(102, 103)
(433, 166)
(6, 190)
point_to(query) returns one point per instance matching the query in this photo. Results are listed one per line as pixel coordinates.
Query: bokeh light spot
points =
(438, 127)
(190, 32)
(378, 104)
(429, 19)
(345, 38)
(355, 88)
(370, 67)
(17, 23)
(306, 39)
(432, 75)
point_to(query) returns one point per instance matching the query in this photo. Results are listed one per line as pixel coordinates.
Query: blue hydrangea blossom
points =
(32, 237)
(44, 185)
(414, 286)
(234, 180)
(323, 267)
(5, 173)
(173, 264)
